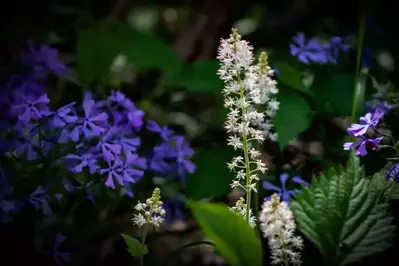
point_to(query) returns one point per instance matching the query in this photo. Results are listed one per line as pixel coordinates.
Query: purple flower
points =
(114, 171)
(130, 174)
(129, 145)
(360, 145)
(369, 121)
(164, 132)
(39, 200)
(393, 173)
(85, 160)
(109, 150)
(311, 51)
(283, 192)
(91, 120)
(336, 45)
(32, 108)
(62, 116)
(118, 98)
(60, 256)
(43, 61)
(183, 151)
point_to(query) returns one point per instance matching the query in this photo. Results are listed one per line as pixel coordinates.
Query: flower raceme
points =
(248, 89)
(278, 226)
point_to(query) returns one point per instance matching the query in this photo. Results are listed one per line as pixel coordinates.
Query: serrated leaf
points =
(199, 76)
(134, 246)
(390, 189)
(340, 213)
(236, 241)
(293, 117)
(290, 76)
(212, 177)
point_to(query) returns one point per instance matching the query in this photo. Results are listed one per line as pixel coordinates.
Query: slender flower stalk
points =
(154, 214)
(278, 226)
(248, 87)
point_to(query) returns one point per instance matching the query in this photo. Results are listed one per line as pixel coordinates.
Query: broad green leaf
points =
(212, 177)
(293, 117)
(134, 246)
(147, 51)
(340, 213)
(333, 94)
(290, 76)
(199, 76)
(97, 47)
(236, 241)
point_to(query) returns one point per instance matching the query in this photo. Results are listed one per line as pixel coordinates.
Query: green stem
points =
(356, 92)
(142, 245)
(177, 252)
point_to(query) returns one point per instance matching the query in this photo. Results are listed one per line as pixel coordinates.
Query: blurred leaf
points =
(134, 246)
(236, 241)
(212, 177)
(199, 76)
(333, 94)
(290, 76)
(147, 51)
(358, 104)
(97, 47)
(293, 117)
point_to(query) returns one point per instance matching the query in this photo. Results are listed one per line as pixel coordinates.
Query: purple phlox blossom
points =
(135, 118)
(336, 45)
(120, 99)
(60, 256)
(164, 131)
(107, 149)
(128, 144)
(173, 156)
(7, 207)
(361, 143)
(183, 151)
(128, 171)
(283, 192)
(39, 199)
(44, 61)
(32, 108)
(368, 121)
(79, 162)
(62, 116)
(113, 171)
(128, 190)
(92, 119)
(311, 51)
(393, 173)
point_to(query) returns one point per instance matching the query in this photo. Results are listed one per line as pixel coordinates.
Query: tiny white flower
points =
(150, 212)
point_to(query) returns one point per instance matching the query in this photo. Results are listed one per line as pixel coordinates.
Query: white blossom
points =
(241, 209)
(150, 212)
(278, 226)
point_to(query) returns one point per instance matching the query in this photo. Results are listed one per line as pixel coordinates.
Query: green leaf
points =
(389, 188)
(290, 76)
(293, 117)
(97, 47)
(340, 213)
(147, 51)
(333, 94)
(199, 76)
(236, 241)
(134, 246)
(212, 177)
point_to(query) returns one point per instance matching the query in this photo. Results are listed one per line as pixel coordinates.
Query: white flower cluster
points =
(248, 88)
(241, 209)
(278, 225)
(150, 212)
